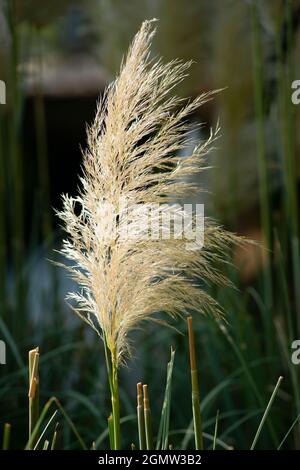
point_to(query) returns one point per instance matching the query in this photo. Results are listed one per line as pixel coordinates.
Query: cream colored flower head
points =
(132, 167)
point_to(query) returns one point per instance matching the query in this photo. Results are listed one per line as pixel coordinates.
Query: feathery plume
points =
(132, 164)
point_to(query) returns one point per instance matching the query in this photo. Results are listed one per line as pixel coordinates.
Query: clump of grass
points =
(132, 157)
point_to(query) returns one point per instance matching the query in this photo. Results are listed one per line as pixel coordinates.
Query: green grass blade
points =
(195, 388)
(267, 410)
(289, 432)
(163, 431)
(216, 431)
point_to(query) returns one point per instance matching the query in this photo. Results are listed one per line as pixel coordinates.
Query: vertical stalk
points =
(140, 416)
(6, 436)
(112, 372)
(54, 438)
(46, 445)
(148, 420)
(195, 388)
(16, 166)
(3, 227)
(115, 401)
(264, 189)
(33, 393)
(41, 142)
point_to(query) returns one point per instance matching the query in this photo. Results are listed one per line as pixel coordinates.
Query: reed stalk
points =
(116, 408)
(140, 417)
(46, 445)
(195, 388)
(263, 172)
(33, 393)
(41, 140)
(54, 438)
(286, 117)
(148, 419)
(114, 420)
(16, 167)
(6, 436)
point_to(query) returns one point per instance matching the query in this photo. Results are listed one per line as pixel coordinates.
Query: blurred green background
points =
(56, 58)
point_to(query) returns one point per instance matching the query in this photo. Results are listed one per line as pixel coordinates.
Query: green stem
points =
(6, 436)
(195, 389)
(263, 172)
(112, 372)
(115, 401)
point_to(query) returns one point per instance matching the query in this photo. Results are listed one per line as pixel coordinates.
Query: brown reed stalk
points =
(33, 392)
(140, 417)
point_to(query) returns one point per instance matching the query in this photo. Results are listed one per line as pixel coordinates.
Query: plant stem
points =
(46, 445)
(115, 407)
(33, 393)
(140, 416)
(195, 389)
(54, 438)
(263, 173)
(216, 431)
(112, 372)
(6, 436)
(148, 421)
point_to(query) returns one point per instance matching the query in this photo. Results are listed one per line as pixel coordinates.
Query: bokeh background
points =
(56, 57)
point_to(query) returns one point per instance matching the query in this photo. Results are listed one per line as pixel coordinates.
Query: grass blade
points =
(195, 388)
(45, 429)
(163, 432)
(216, 431)
(288, 433)
(267, 410)
(54, 438)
